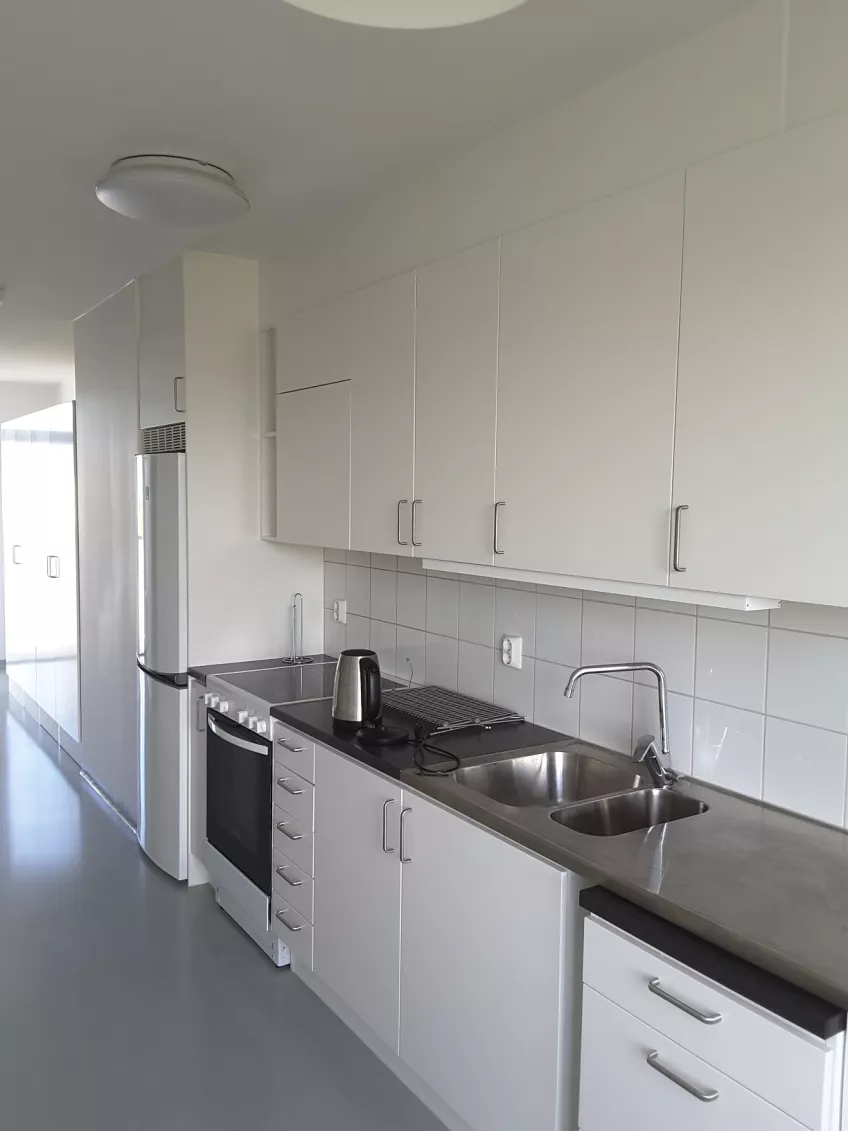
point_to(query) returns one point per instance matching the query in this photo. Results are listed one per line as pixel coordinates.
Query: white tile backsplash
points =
(359, 558)
(756, 707)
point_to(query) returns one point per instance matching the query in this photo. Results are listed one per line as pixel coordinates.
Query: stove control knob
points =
(213, 702)
(207, 698)
(224, 707)
(251, 722)
(261, 726)
(242, 717)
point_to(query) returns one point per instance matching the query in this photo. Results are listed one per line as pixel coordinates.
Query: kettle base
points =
(380, 735)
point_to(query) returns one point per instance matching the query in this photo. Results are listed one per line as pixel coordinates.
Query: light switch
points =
(511, 651)
(340, 612)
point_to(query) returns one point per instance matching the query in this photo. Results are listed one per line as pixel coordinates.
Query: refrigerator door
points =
(162, 598)
(163, 773)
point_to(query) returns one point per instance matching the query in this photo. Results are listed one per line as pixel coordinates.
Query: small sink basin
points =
(642, 809)
(549, 778)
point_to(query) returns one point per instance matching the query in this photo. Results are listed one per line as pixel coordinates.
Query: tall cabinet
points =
(40, 560)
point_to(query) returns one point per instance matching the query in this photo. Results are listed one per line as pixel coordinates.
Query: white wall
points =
(759, 702)
(107, 437)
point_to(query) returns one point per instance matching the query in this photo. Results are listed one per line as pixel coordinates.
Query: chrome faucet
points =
(656, 757)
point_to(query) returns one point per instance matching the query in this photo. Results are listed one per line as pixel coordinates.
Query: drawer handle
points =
(289, 927)
(290, 746)
(281, 872)
(705, 1095)
(281, 826)
(281, 782)
(705, 1018)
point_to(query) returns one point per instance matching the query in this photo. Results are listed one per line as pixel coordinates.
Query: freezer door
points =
(163, 774)
(162, 598)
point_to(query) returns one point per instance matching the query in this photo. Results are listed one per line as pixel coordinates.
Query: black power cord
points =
(420, 745)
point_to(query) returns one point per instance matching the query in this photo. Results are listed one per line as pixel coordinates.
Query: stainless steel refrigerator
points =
(162, 661)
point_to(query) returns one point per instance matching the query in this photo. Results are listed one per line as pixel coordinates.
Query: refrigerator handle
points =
(176, 402)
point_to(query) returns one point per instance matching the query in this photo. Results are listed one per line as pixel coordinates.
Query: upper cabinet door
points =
(586, 389)
(380, 362)
(161, 346)
(760, 458)
(311, 347)
(456, 380)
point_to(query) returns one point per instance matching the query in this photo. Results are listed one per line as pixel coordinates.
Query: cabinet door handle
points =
(198, 715)
(404, 859)
(678, 511)
(281, 872)
(415, 503)
(50, 559)
(176, 405)
(705, 1095)
(497, 531)
(655, 986)
(281, 782)
(401, 503)
(288, 926)
(284, 742)
(281, 826)
(16, 554)
(386, 805)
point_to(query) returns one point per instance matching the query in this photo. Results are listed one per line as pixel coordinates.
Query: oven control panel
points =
(252, 715)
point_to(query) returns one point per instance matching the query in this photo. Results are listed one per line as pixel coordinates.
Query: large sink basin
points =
(627, 812)
(550, 778)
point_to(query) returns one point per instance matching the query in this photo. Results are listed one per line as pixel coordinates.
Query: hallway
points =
(128, 1003)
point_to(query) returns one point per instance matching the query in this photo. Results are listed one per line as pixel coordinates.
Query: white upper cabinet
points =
(161, 346)
(313, 466)
(456, 379)
(380, 362)
(311, 347)
(760, 457)
(586, 388)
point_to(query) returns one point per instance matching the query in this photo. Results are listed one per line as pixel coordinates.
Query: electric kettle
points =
(356, 690)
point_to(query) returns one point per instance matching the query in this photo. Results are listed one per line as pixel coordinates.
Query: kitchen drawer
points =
(293, 751)
(293, 839)
(294, 794)
(621, 1091)
(293, 885)
(292, 928)
(748, 1044)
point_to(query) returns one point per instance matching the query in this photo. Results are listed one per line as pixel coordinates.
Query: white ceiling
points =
(309, 115)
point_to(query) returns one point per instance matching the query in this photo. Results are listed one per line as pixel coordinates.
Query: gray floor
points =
(128, 1003)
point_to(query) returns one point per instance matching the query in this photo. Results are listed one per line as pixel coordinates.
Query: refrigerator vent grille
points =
(166, 438)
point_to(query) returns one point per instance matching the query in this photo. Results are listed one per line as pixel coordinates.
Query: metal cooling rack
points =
(447, 710)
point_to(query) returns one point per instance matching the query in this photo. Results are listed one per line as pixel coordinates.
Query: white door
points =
(19, 556)
(161, 346)
(45, 608)
(313, 466)
(760, 458)
(63, 568)
(456, 383)
(357, 890)
(481, 972)
(586, 387)
(163, 774)
(380, 347)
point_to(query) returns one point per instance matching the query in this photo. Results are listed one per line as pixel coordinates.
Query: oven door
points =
(238, 798)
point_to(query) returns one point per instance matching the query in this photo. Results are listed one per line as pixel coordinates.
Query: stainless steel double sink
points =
(581, 792)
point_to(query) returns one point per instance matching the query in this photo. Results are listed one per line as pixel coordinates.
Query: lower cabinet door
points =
(634, 1079)
(481, 972)
(356, 950)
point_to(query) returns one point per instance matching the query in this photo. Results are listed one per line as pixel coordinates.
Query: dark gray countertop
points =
(202, 671)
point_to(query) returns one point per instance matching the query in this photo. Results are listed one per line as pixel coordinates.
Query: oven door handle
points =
(253, 747)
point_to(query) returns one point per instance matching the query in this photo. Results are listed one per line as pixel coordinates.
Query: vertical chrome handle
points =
(401, 503)
(415, 503)
(705, 1095)
(678, 511)
(16, 560)
(50, 559)
(655, 986)
(404, 859)
(198, 715)
(497, 530)
(176, 405)
(386, 805)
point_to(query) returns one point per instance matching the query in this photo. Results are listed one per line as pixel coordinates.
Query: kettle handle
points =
(371, 690)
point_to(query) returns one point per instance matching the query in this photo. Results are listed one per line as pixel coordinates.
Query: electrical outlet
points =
(340, 612)
(511, 651)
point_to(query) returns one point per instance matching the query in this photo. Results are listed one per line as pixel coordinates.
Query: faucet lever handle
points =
(644, 747)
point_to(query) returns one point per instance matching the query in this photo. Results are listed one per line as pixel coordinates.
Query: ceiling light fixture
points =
(408, 13)
(175, 192)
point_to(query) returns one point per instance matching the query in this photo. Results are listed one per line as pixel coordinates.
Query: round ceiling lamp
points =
(175, 192)
(408, 13)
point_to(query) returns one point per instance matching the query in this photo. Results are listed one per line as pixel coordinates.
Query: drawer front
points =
(292, 839)
(746, 1044)
(294, 751)
(293, 885)
(619, 1088)
(292, 928)
(294, 794)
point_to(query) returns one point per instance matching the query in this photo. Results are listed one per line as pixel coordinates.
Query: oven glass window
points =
(238, 800)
